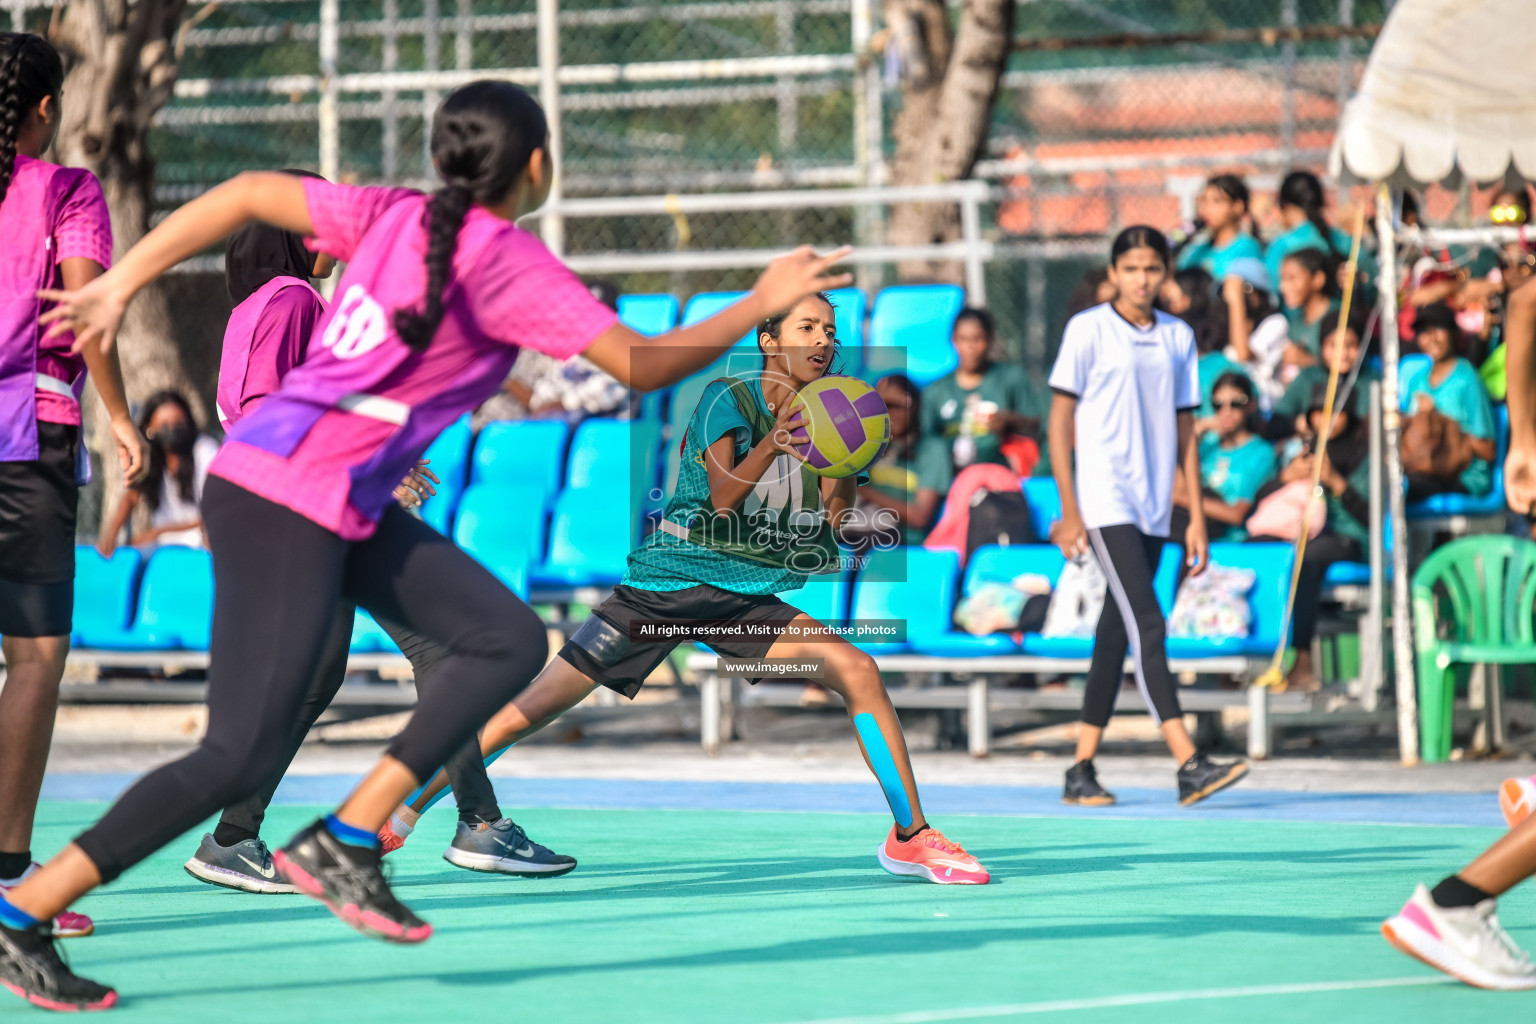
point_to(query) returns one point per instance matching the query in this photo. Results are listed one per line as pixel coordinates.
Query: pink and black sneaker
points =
(349, 881)
(68, 925)
(31, 967)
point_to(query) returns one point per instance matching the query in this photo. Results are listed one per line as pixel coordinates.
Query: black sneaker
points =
(1199, 777)
(349, 881)
(31, 967)
(1083, 787)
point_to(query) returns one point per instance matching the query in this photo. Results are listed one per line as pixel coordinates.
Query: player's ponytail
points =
(482, 138)
(30, 69)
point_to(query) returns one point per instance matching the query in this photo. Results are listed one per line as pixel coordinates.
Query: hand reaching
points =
(417, 486)
(93, 313)
(791, 277)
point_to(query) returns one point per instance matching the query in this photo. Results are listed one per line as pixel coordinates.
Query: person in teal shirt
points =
(1449, 385)
(973, 410)
(1301, 202)
(1223, 210)
(1306, 295)
(1288, 417)
(908, 483)
(1234, 460)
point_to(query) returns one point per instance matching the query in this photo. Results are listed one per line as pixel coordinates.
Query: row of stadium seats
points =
(170, 607)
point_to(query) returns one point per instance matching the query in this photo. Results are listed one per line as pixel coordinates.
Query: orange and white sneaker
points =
(68, 925)
(1517, 799)
(929, 855)
(389, 839)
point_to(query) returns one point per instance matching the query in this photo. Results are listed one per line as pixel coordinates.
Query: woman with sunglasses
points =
(1234, 460)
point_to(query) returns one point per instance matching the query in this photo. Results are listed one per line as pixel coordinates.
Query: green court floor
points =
(776, 917)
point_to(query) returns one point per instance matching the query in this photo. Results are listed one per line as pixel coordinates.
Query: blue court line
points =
(1238, 804)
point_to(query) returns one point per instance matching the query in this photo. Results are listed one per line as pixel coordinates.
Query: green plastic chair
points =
(1490, 587)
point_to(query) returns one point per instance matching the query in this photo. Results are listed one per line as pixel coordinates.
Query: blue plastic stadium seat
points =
(175, 606)
(1349, 574)
(1044, 501)
(502, 526)
(524, 452)
(104, 592)
(994, 564)
(604, 453)
(851, 309)
(448, 459)
(823, 598)
(590, 537)
(1271, 564)
(368, 637)
(706, 304)
(909, 331)
(910, 584)
(649, 315)
(1479, 505)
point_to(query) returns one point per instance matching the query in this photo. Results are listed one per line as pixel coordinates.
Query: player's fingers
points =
(835, 256)
(829, 282)
(430, 476)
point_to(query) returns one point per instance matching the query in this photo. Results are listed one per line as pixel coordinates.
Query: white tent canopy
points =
(1450, 87)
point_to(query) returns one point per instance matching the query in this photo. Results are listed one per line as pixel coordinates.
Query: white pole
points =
(549, 98)
(975, 259)
(330, 123)
(1288, 97)
(1402, 626)
(431, 45)
(391, 118)
(1371, 627)
(1346, 53)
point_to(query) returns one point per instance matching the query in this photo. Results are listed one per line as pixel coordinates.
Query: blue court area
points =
(763, 903)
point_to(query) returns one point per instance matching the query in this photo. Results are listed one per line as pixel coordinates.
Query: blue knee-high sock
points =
(884, 764)
(349, 834)
(14, 918)
(490, 759)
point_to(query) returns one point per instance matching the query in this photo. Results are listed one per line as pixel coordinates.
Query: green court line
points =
(757, 918)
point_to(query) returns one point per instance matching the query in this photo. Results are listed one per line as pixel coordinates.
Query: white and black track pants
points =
(1131, 618)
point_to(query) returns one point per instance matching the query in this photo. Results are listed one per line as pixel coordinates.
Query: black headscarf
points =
(259, 252)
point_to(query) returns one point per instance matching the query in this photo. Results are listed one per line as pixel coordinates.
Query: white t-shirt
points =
(1267, 343)
(1130, 384)
(176, 509)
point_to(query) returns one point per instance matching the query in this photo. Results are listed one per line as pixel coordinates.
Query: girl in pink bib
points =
(438, 294)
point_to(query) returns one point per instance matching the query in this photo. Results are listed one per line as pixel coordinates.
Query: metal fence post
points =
(431, 54)
(330, 122)
(970, 231)
(866, 144)
(549, 97)
(1371, 660)
(1346, 53)
(1288, 97)
(390, 119)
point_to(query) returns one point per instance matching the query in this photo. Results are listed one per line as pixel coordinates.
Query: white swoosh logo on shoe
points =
(524, 851)
(261, 870)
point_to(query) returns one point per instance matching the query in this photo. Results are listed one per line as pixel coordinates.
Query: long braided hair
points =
(482, 138)
(1303, 190)
(30, 69)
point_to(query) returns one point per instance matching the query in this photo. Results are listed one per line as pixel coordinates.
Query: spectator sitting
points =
(1301, 201)
(1257, 337)
(178, 464)
(1346, 480)
(1094, 288)
(1234, 461)
(984, 411)
(1306, 294)
(1448, 440)
(1187, 295)
(1289, 416)
(1223, 208)
(905, 489)
(542, 386)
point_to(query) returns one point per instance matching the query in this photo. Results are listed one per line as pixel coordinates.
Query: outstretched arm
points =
(646, 364)
(94, 311)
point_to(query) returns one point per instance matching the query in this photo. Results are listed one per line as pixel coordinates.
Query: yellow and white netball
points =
(848, 425)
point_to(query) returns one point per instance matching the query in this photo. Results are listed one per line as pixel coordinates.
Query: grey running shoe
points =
(246, 866)
(503, 847)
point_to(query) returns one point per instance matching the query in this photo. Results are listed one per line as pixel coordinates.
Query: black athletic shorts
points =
(605, 649)
(37, 536)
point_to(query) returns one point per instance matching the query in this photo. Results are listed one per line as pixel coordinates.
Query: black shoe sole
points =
(1235, 774)
(1088, 801)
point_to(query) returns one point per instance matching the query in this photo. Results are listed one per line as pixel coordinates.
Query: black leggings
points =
(1131, 617)
(1322, 551)
(472, 788)
(280, 579)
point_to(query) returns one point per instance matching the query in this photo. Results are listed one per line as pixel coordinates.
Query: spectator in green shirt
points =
(972, 411)
(1301, 202)
(907, 484)
(1224, 235)
(1189, 295)
(1306, 293)
(1289, 414)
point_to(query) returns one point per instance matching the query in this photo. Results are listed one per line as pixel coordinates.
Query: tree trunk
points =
(123, 56)
(949, 85)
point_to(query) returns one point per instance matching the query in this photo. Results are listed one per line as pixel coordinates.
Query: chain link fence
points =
(1111, 112)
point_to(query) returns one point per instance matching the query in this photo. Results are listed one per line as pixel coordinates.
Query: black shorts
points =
(37, 536)
(604, 649)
